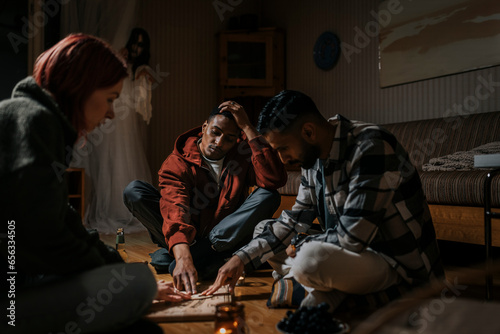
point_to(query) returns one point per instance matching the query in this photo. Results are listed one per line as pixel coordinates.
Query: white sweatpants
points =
(329, 272)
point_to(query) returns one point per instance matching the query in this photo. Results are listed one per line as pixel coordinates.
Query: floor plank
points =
(254, 294)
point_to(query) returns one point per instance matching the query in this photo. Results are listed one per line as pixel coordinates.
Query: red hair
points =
(74, 68)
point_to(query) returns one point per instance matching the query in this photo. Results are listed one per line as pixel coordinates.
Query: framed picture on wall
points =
(427, 38)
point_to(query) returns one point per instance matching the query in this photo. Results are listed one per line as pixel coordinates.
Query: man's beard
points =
(310, 153)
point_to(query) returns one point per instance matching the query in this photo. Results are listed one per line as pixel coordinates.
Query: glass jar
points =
(120, 244)
(230, 319)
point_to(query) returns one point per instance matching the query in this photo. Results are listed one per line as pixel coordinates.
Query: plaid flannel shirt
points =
(370, 196)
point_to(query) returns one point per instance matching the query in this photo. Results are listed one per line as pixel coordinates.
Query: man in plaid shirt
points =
(357, 180)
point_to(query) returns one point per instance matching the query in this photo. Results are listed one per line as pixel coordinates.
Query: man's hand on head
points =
(240, 117)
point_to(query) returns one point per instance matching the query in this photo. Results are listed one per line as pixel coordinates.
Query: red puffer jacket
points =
(192, 202)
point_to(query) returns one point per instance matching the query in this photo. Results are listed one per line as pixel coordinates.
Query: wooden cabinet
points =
(76, 189)
(251, 63)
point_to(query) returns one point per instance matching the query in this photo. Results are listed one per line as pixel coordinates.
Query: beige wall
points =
(184, 45)
(352, 88)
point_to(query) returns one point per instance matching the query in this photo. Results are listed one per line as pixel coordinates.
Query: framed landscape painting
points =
(426, 38)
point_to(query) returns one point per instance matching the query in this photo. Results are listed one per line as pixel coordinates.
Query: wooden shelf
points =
(251, 63)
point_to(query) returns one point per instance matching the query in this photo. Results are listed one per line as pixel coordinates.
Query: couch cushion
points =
(458, 188)
(448, 188)
(433, 138)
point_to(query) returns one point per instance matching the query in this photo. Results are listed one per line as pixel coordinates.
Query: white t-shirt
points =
(215, 167)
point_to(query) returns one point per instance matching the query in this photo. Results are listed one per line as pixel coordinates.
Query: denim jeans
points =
(231, 233)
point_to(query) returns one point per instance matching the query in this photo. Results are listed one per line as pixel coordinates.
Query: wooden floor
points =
(254, 294)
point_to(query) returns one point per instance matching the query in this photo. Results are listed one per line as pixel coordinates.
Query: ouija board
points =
(199, 308)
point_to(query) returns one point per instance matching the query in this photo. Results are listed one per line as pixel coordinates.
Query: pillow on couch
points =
(462, 160)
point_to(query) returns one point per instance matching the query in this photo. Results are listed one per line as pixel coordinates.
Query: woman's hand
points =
(167, 292)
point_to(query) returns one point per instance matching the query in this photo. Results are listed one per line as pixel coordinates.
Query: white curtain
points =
(113, 154)
(111, 20)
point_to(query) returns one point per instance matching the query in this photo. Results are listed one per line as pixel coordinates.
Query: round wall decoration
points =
(326, 50)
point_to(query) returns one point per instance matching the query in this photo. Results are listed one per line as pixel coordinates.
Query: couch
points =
(455, 198)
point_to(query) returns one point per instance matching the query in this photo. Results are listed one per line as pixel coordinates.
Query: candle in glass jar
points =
(230, 319)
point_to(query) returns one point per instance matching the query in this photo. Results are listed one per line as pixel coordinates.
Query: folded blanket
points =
(462, 160)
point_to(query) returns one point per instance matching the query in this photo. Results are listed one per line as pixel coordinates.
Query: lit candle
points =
(225, 331)
(230, 319)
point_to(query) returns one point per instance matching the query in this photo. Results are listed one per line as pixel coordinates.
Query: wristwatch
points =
(298, 240)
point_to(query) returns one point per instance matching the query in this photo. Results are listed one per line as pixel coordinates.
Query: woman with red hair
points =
(63, 278)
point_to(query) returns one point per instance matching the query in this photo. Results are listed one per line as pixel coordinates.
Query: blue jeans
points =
(230, 234)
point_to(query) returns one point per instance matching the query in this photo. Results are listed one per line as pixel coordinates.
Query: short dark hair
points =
(216, 111)
(285, 110)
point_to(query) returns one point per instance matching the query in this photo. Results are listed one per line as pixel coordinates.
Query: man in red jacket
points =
(202, 213)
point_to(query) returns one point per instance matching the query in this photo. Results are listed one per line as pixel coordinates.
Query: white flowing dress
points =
(113, 155)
